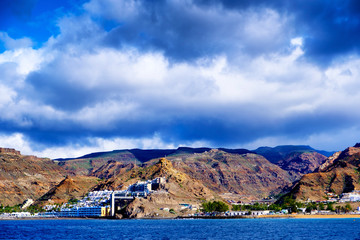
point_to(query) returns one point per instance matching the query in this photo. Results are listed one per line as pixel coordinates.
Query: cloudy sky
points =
(78, 76)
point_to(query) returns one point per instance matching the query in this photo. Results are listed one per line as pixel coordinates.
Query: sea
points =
(181, 229)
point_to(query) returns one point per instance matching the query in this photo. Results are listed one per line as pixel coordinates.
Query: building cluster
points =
(142, 188)
(353, 196)
(101, 203)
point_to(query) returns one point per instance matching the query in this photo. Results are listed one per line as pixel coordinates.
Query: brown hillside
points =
(23, 177)
(179, 188)
(300, 163)
(339, 174)
(69, 188)
(179, 184)
(249, 175)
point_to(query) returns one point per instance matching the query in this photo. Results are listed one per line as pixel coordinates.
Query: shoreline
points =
(288, 216)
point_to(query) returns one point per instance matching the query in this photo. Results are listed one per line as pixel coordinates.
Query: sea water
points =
(182, 229)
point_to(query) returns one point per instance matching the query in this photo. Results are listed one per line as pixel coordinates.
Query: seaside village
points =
(105, 204)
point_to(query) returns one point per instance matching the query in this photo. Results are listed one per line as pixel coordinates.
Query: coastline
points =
(287, 216)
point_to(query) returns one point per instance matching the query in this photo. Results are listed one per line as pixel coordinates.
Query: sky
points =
(80, 76)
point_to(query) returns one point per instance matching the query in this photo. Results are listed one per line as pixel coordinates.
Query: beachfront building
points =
(84, 212)
(260, 212)
(236, 213)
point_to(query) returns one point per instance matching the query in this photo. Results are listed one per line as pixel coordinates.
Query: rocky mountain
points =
(340, 173)
(23, 177)
(300, 163)
(91, 162)
(179, 188)
(248, 175)
(208, 172)
(280, 153)
(297, 160)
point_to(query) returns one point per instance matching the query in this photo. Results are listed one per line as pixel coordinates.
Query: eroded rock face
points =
(249, 175)
(339, 174)
(299, 164)
(23, 177)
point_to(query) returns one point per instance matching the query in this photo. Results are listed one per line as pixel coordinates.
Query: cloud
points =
(177, 27)
(176, 73)
(11, 43)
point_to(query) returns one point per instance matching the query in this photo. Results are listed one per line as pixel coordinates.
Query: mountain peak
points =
(9, 151)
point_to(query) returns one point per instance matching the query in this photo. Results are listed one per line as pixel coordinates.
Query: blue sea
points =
(182, 229)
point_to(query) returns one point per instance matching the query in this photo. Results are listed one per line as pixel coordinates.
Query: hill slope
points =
(339, 174)
(23, 177)
(249, 175)
(69, 188)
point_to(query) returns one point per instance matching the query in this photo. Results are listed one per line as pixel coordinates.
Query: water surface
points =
(182, 229)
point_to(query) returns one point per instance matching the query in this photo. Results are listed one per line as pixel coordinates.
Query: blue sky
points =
(79, 76)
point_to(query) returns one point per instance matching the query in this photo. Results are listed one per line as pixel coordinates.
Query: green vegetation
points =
(172, 211)
(330, 207)
(73, 201)
(215, 206)
(288, 202)
(348, 208)
(35, 209)
(10, 209)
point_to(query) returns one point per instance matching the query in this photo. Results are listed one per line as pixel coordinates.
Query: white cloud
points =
(19, 142)
(11, 43)
(114, 9)
(267, 91)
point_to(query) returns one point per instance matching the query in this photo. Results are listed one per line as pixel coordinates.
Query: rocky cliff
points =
(300, 163)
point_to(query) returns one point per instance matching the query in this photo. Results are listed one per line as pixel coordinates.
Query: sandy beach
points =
(311, 216)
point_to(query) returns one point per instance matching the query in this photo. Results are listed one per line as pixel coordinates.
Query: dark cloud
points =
(185, 31)
(202, 28)
(329, 28)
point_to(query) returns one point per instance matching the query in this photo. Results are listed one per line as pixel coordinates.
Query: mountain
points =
(88, 163)
(297, 160)
(340, 173)
(23, 177)
(300, 163)
(207, 173)
(279, 153)
(179, 188)
(246, 176)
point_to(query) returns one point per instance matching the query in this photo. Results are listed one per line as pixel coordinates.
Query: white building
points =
(236, 213)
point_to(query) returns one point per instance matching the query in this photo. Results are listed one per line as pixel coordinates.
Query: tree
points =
(348, 207)
(275, 207)
(330, 207)
(215, 206)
